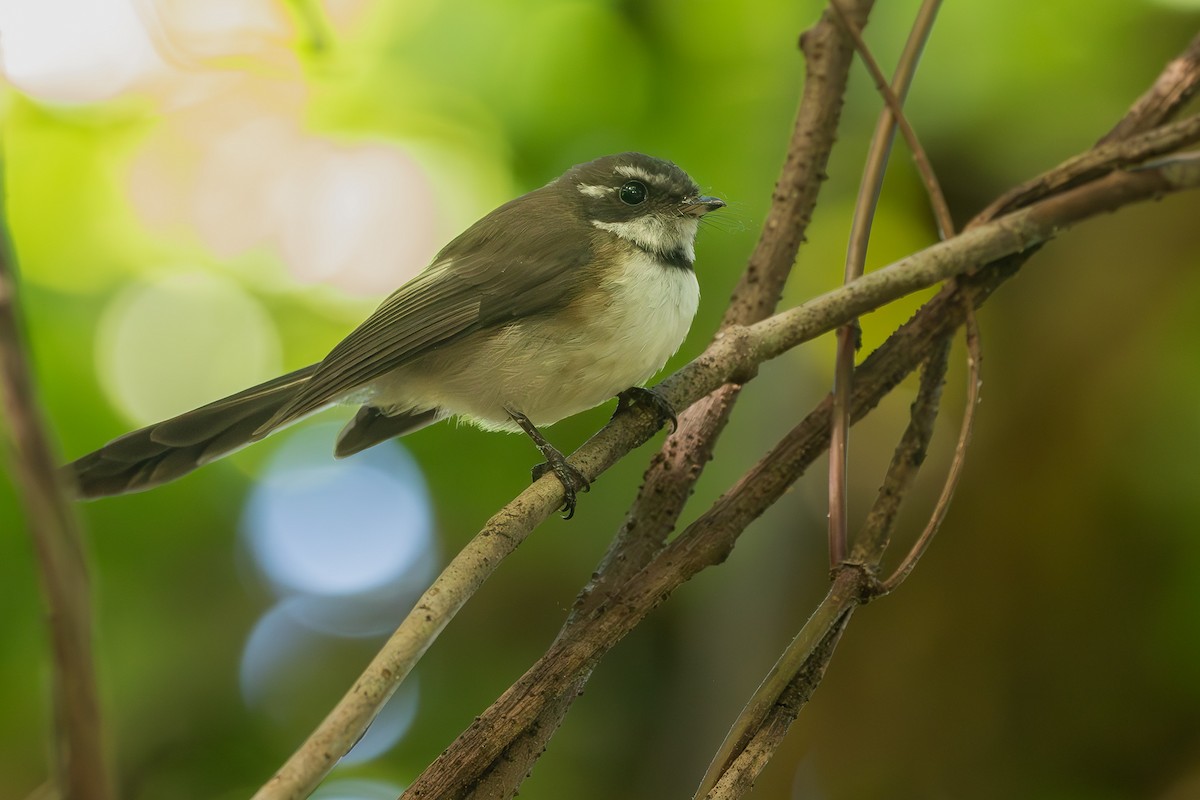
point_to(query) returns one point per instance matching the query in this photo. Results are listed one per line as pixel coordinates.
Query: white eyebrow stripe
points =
(595, 191)
(634, 171)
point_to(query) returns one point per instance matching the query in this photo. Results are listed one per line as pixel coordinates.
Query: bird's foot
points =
(637, 395)
(573, 481)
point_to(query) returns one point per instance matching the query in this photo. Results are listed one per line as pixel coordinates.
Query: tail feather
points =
(370, 426)
(170, 449)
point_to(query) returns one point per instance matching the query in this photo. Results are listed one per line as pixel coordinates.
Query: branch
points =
(734, 354)
(709, 540)
(1175, 85)
(974, 359)
(79, 763)
(848, 337)
(830, 618)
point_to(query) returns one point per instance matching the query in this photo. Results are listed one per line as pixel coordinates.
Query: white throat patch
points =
(657, 235)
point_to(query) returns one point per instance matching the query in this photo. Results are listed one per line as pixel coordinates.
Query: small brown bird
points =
(556, 301)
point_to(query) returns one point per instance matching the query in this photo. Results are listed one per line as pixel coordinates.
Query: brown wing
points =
(511, 264)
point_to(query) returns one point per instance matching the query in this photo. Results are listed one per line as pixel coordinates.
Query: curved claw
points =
(648, 397)
(573, 481)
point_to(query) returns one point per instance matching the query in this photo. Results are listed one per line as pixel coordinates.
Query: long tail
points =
(170, 449)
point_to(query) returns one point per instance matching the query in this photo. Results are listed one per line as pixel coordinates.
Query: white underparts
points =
(555, 366)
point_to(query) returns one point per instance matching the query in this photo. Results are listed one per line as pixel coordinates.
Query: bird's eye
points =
(633, 193)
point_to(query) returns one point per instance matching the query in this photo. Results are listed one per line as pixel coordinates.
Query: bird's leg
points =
(573, 481)
(637, 395)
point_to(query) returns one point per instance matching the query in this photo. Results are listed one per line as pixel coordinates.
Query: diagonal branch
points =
(1172, 89)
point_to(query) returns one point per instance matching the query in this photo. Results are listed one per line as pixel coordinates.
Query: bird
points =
(552, 304)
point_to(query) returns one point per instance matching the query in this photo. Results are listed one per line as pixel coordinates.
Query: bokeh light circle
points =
(317, 526)
(362, 217)
(285, 664)
(74, 51)
(167, 345)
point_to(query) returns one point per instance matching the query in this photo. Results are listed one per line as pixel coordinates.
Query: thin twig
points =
(81, 772)
(974, 383)
(739, 775)
(894, 96)
(1175, 85)
(856, 252)
(885, 517)
(868, 549)
(906, 461)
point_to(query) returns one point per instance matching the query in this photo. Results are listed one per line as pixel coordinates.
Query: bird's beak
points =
(699, 206)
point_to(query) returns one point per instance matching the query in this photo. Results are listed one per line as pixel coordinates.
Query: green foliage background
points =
(1048, 646)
